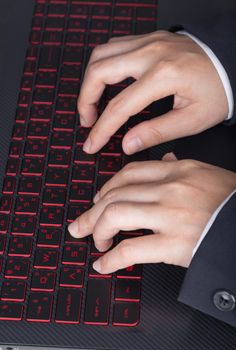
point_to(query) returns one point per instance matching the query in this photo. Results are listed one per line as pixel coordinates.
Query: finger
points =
(169, 157)
(136, 173)
(127, 216)
(147, 249)
(170, 126)
(129, 102)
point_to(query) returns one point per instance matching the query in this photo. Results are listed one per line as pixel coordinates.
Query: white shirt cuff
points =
(210, 222)
(220, 69)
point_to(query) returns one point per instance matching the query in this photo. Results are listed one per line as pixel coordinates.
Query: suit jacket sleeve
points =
(213, 268)
(219, 33)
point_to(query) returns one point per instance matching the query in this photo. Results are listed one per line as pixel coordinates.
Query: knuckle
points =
(110, 212)
(97, 52)
(188, 164)
(154, 134)
(115, 105)
(126, 251)
(166, 68)
(128, 170)
(111, 196)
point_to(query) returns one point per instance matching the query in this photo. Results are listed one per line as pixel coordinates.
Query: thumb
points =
(169, 126)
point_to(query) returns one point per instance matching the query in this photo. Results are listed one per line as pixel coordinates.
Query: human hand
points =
(174, 199)
(162, 64)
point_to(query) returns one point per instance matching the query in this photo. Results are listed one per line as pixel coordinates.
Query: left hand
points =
(174, 199)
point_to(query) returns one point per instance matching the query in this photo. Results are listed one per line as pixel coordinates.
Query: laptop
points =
(50, 297)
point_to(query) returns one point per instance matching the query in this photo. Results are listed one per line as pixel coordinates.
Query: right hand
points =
(162, 64)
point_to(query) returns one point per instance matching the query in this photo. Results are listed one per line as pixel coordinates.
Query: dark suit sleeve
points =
(213, 268)
(219, 33)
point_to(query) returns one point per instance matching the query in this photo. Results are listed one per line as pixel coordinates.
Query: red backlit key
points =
(126, 314)
(101, 12)
(38, 130)
(123, 12)
(18, 132)
(13, 291)
(5, 204)
(97, 301)
(64, 122)
(27, 83)
(32, 53)
(62, 140)
(83, 158)
(39, 10)
(77, 25)
(93, 273)
(4, 223)
(71, 73)
(57, 10)
(20, 246)
(74, 255)
(37, 23)
(74, 211)
(35, 37)
(42, 113)
(46, 79)
(109, 164)
(29, 68)
(30, 185)
(49, 237)
(32, 167)
(57, 177)
(66, 105)
(54, 196)
(68, 88)
(17, 268)
(122, 27)
(46, 259)
(49, 59)
(75, 39)
(54, 23)
(2, 244)
(100, 25)
(72, 240)
(27, 205)
(83, 173)
(133, 272)
(21, 114)
(12, 167)
(81, 192)
(68, 306)
(71, 277)
(73, 54)
(43, 96)
(52, 38)
(113, 147)
(59, 158)
(11, 311)
(127, 290)
(35, 148)
(77, 11)
(23, 225)
(39, 307)
(15, 149)
(9, 185)
(82, 135)
(43, 281)
(146, 14)
(51, 216)
(1, 263)
(97, 39)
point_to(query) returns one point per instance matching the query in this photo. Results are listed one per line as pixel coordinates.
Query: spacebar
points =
(98, 302)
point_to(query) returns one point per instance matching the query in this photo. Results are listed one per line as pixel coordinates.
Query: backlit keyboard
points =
(47, 275)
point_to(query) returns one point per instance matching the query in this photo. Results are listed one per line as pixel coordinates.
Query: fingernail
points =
(87, 145)
(134, 145)
(96, 197)
(73, 229)
(97, 265)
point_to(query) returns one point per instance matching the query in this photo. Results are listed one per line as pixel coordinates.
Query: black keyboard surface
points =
(46, 274)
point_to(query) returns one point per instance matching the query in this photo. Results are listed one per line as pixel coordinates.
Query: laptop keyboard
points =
(46, 274)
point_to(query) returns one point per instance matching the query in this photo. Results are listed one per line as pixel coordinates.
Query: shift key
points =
(98, 302)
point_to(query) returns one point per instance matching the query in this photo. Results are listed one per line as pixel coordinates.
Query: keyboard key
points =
(18, 132)
(74, 255)
(32, 167)
(43, 281)
(46, 259)
(93, 273)
(124, 12)
(73, 54)
(83, 158)
(30, 185)
(127, 290)
(15, 149)
(109, 164)
(57, 177)
(11, 311)
(81, 192)
(102, 179)
(72, 277)
(51, 216)
(39, 10)
(37, 23)
(146, 14)
(38, 130)
(54, 196)
(103, 12)
(29, 68)
(41, 113)
(95, 39)
(49, 59)
(99, 25)
(97, 301)
(13, 291)
(21, 115)
(12, 167)
(43, 96)
(4, 223)
(70, 73)
(46, 79)
(35, 37)
(55, 23)
(5, 204)
(75, 39)
(62, 140)
(133, 272)
(20, 246)
(74, 211)
(126, 314)
(27, 83)
(72, 240)
(66, 105)
(49, 237)
(68, 306)
(2, 244)
(9, 185)
(113, 147)
(79, 11)
(59, 158)
(82, 135)
(17, 268)
(122, 27)
(26, 205)
(57, 10)
(77, 25)
(39, 307)
(32, 53)
(23, 225)
(52, 38)
(83, 173)
(35, 148)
